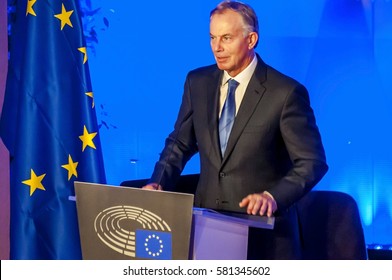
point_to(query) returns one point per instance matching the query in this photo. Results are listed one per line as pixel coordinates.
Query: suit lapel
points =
(252, 97)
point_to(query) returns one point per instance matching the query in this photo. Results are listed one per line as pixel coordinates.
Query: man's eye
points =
(226, 38)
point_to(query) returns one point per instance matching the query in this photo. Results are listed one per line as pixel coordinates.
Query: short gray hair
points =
(247, 13)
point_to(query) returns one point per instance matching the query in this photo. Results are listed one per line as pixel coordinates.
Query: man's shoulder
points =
(276, 77)
(204, 71)
(275, 74)
(271, 75)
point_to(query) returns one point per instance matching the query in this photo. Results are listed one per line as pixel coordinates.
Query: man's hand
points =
(259, 203)
(152, 186)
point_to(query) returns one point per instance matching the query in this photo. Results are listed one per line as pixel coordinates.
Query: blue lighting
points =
(339, 49)
(379, 247)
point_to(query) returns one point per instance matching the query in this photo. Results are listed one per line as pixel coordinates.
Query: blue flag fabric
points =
(49, 126)
(156, 245)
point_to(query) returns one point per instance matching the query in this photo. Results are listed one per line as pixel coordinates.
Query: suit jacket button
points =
(222, 174)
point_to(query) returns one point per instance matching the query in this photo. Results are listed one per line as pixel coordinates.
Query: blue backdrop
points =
(339, 49)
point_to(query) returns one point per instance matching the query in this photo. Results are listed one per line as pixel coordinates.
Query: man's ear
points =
(253, 37)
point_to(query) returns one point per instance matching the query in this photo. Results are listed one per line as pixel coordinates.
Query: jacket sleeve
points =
(304, 145)
(179, 147)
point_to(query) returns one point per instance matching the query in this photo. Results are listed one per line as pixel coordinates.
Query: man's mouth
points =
(221, 59)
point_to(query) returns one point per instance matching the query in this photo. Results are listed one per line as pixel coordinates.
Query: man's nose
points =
(217, 46)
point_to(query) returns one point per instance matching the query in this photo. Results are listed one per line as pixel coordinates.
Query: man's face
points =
(232, 50)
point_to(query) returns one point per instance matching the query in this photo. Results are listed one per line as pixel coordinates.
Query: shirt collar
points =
(243, 76)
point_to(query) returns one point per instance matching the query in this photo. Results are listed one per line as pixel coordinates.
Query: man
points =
(273, 155)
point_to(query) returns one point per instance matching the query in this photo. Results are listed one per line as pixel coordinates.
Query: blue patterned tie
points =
(227, 116)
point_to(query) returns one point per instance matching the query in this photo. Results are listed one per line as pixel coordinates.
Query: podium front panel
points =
(129, 223)
(215, 239)
(223, 235)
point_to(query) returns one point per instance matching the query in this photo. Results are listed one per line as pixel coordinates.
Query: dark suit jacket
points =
(274, 144)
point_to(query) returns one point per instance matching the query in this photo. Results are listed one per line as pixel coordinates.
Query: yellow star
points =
(87, 139)
(34, 182)
(84, 51)
(71, 167)
(29, 9)
(92, 96)
(64, 17)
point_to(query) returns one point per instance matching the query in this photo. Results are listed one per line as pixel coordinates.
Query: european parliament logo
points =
(134, 232)
(153, 245)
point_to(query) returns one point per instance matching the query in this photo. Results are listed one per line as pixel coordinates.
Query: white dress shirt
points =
(243, 79)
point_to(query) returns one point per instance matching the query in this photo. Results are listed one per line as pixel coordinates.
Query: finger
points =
(269, 208)
(152, 186)
(274, 206)
(244, 202)
(148, 187)
(251, 205)
(263, 207)
(257, 202)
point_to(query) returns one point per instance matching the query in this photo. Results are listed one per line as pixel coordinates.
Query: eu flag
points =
(49, 126)
(153, 244)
